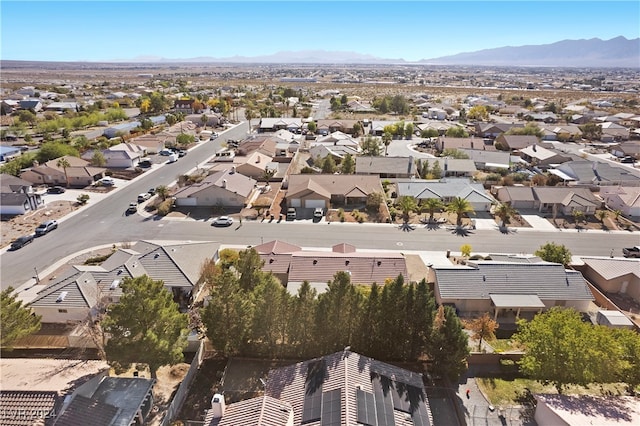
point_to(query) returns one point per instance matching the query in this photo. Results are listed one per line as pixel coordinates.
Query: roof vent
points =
(157, 255)
(62, 296)
(315, 261)
(224, 183)
(484, 278)
(120, 271)
(379, 262)
(114, 284)
(271, 260)
(346, 263)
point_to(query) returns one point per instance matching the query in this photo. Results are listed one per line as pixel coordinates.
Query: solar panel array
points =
(366, 408)
(383, 402)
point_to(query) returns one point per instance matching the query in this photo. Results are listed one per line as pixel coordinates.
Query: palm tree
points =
(431, 205)
(459, 206)
(64, 164)
(602, 215)
(505, 212)
(162, 191)
(407, 204)
(268, 174)
(248, 114)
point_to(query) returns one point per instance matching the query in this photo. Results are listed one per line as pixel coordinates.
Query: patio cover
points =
(516, 301)
(560, 174)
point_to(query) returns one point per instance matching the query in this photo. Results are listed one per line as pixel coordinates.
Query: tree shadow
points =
(406, 227)
(506, 230)
(461, 231)
(432, 226)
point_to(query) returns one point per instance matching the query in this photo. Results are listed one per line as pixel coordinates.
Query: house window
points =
(62, 311)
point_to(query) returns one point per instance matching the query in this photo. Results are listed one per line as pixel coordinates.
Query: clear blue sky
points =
(412, 30)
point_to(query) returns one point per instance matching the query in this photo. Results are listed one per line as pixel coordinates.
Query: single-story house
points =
(265, 144)
(17, 196)
(515, 142)
(509, 289)
(338, 138)
(34, 389)
(253, 165)
(292, 265)
(62, 106)
(340, 388)
(224, 188)
(338, 152)
(562, 133)
(120, 156)
(110, 401)
(78, 174)
(539, 156)
(493, 130)
(120, 129)
(631, 149)
(613, 275)
(294, 125)
(30, 104)
(324, 190)
(377, 126)
(326, 127)
(79, 290)
(444, 142)
(446, 190)
(613, 132)
(9, 152)
(454, 167)
(386, 167)
(151, 143)
(489, 159)
(596, 173)
(558, 199)
(213, 119)
(623, 198)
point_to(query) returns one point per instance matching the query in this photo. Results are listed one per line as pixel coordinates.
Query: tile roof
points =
(610, 269)
(333, 184)
(351, 378)
(260, 411)
(443, 189)
(28, 408)
(386, 165)
(234, 183)
(548, 281)
(583, 171)
(80, 291)
(364, 268)
(84, 411)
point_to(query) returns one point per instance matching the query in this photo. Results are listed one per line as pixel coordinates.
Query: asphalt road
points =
(106, 223)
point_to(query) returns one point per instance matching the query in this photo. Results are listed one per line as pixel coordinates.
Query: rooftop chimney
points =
(218, 405)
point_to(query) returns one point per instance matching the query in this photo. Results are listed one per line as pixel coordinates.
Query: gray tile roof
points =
(84, 411)
(80, 291)
(386, 165)
(28, 408)
(610, 269)
(352, 374)
(442, 189)
(582, 171)
(260, 411)
(548, 281)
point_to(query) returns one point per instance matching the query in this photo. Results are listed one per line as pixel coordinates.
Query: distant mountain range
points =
(617, 52)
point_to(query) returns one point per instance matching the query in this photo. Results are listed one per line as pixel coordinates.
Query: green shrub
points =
(165, 207)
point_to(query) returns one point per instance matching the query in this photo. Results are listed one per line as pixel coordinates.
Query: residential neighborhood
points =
(236, 245)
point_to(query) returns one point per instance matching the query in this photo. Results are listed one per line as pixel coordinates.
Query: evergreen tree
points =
(228, 316)
(348, 165)
(146, 326)
(449, 344)
(338, 313)
(370, 341)
(302, 320)
(249, 266)
(420, 320)
(16, 320)
(271, 307)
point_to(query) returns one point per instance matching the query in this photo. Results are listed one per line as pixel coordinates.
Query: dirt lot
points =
(27, 223)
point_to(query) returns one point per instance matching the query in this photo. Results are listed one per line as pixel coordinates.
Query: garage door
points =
(187, 202)
(295, 202)
(312, 204)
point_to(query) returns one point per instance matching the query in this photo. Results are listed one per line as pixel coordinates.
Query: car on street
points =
(631, 251)
(182, 153)
(143, 197)
(133, 208)
(222, 221)
(56, 190)
(291, 213)
(318, 213)
(21, 241)
(165, 152)
(152, 191)
(213, 136)
(46, 227)
(107, 181)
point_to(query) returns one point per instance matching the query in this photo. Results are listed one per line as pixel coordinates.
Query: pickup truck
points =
(631, 251)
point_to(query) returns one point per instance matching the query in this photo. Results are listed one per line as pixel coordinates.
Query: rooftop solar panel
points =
(383, 401)
(366, 408)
